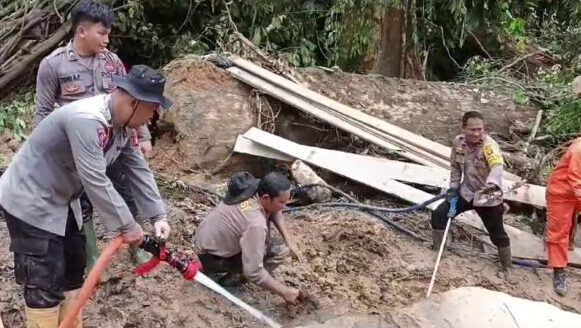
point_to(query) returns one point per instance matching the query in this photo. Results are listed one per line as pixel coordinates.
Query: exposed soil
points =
(352, 264)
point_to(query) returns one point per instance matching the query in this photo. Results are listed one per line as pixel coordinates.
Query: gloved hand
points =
(134, 235)
(162, 229)
(489, 188)
(451, 193)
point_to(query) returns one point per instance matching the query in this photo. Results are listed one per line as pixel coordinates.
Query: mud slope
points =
(352, 264)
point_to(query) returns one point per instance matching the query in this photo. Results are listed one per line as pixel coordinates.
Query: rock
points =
(305, 175)
(210, 110)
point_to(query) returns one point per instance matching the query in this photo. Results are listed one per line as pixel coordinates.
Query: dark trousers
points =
(46, 264)
(216, 264)
(115, 173)
(490, 216)
(276, 253)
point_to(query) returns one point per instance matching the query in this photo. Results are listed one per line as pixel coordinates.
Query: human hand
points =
(162, 229)
(146, 149)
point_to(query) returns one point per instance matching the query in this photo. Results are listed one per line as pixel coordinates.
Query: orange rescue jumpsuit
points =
(563, 203)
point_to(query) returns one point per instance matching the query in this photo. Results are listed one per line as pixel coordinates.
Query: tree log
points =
(29, 62)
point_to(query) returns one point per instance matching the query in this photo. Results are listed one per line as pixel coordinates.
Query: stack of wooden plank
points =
(372, 129)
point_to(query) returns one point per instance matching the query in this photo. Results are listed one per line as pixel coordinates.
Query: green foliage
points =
(14, 113)
(565, 121)
(307, 33)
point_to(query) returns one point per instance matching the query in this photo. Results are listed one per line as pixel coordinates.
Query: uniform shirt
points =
(64, 76)
(565, 180)
(68, 152)
(478, 164)
(233, 229)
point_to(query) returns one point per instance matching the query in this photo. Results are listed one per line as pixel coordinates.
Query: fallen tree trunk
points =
(29, 30)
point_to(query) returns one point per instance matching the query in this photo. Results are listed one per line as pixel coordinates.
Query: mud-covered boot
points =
(42, 318)
(437, 237)
(560, 281)
(506, 263)
(138, 255)
(90, 244)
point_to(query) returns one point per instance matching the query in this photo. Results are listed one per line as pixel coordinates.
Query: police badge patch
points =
(103, 137)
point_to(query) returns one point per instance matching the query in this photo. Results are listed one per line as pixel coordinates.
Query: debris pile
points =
(29, 30)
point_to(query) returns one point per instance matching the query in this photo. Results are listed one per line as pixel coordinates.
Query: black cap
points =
(241, 187)
(145, 84)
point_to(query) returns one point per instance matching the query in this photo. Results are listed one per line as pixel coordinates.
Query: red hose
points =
(91, 281)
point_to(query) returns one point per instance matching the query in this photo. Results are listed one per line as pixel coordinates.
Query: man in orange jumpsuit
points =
(563, 203)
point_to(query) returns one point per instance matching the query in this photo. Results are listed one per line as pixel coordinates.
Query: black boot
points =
(559, 281)
(506, 262)
(437, 237)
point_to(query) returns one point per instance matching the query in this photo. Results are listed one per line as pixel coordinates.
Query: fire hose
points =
(189, 269)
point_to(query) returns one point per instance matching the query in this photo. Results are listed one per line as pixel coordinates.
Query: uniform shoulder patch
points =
(492, 154)
(103, 136)
(246, 205)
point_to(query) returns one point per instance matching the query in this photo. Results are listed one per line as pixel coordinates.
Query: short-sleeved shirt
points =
(64, 76)
(233, 229)
(475, 166)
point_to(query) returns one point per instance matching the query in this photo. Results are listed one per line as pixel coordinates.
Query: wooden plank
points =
(372, 121)
(523, 244)
(246, 146)
(375, 138)
(420, 142)
(379, 168)
(530, 194)
(375, 166)
(305, 154)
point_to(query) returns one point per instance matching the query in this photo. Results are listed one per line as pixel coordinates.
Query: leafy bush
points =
(15, 112)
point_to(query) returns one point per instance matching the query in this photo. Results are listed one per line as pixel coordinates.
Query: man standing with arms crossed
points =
(476, 183)
(81, 69)
(66, 154)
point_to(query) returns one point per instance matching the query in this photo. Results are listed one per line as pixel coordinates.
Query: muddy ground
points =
(352, 264)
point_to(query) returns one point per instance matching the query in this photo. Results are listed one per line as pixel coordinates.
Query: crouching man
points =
(68, 153)
(235, 237)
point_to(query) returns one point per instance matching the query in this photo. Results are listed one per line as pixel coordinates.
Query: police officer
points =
(67, 153)
(476, 157)
(81, 69)
(235, 237)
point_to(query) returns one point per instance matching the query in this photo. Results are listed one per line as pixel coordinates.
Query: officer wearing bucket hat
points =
(235, 237)
(66, 154)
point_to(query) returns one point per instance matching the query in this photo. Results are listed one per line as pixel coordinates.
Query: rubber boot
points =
(67, 306)
(437, 237)
(138, 255)
(505, 256)
(90, 245)
(560, 281)
(42, 318)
